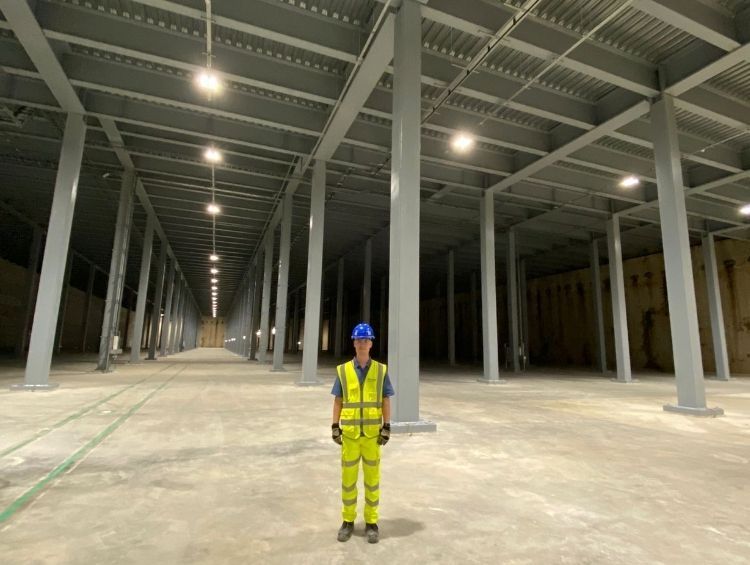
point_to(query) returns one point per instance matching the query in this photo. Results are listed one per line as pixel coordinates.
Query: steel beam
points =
(686, 347)
(36, 375)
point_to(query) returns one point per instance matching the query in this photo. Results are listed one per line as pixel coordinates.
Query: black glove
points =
(385, 434)
(336, 433)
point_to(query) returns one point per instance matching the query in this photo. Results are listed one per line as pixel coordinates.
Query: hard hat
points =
(363, 331)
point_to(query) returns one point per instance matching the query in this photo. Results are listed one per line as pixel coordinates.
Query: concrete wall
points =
(211, 332)
(561, 316)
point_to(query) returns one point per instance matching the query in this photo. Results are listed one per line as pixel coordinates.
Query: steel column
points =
(338, 335)
(265, 310)
(117, 266)
(31, 286)
(512, 291)
(282, 286)
(36, 375)
(524, 309)
(619, 311)
(313, 292)
(174, 321)
(140, 307)
(87, 306)
(596, 291)
(451, 310)
(156, 310)
(64, 305)
(403, 307)
(683, 313)
(367, 283)
(165, 321)
(489, 289)
(714, 307)
(255, 320)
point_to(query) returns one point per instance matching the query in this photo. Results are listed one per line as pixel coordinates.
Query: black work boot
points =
(373, 535)
(345, 531)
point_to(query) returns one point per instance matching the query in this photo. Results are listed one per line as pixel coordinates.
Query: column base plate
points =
(689, 411)
(413, 427)
(34, 388)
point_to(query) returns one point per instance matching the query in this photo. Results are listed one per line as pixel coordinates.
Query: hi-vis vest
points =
(362, 411)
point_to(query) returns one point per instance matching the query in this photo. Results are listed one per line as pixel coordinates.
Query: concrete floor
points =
(205, 458)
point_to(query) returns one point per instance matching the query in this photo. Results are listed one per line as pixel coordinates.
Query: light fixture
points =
(257, 333)
(745, 210)
(212, 155)
(213, 294)
(630, 181)
(214, 271)
(273, 330)
(213, 208)
(214, 281)
(462, 142)
(214, 288)
(213, 257)
(208, 80)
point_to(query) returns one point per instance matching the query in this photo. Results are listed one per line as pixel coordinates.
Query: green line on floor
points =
(82, 412)
(70, 461)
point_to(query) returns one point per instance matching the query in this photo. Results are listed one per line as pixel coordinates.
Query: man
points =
(361, 424)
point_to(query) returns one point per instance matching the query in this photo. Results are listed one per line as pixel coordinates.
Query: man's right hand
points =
(336, 433)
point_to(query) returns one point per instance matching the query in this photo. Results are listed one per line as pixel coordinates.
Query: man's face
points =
(362, 346)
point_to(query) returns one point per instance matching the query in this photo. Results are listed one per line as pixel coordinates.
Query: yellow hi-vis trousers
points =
(352, 451)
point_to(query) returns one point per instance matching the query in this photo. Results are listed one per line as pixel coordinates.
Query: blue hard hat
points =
(363, 331)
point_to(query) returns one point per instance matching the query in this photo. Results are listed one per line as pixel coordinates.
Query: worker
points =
(361, 424)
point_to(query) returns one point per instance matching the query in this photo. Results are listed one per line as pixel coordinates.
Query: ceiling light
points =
(214, 281)
(214, 288)
(213, 257)
(630, 181)
(208, 80)
(745, 210)
(213, 208)
(462, 142)
(214, 271)
(257, 333)
(212, 155)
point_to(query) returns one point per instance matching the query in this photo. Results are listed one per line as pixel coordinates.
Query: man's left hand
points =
(385, 434)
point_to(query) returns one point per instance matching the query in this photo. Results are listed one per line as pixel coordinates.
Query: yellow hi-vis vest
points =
(362, 410)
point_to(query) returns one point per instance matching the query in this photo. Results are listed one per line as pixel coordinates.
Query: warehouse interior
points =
(542, 207)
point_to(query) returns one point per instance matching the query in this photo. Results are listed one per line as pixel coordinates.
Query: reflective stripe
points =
(369, 422)
(381, 370)
(371, 502)
(350, 463)
(362, 404)
(372, 488)
(372, 463)
(349, 501)
(349, 489)
(342, 380)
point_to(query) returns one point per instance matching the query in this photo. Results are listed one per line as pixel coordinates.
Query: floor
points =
(205, 458)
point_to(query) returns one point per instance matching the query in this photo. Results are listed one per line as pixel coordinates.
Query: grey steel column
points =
(619, 312)
(64, 302)
(295, 324)
(282, 286)
(87, 307)
(265, 309)
(338, 336)
(714, 307)
(31, 286)
(451, 310)
(512, 291)
(140, 307)
(473, 318)
(596, 288)
(367, 283)
(176, 303)
(683, 313)
(383, 329)
(164, 334)
(47, 308)
(250, 322)
(313, 292)
(524, 309)
(489, 289)
(117, 266)
(156, 311)
(255, 320)
(128, 308)
(403, 307)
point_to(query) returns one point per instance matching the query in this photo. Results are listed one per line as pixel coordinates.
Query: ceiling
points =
(555, 93)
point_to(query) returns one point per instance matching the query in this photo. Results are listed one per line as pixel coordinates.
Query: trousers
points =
(352, 451)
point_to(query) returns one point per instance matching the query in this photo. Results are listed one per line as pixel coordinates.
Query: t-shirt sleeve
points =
(336, 390)
(388, 387)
